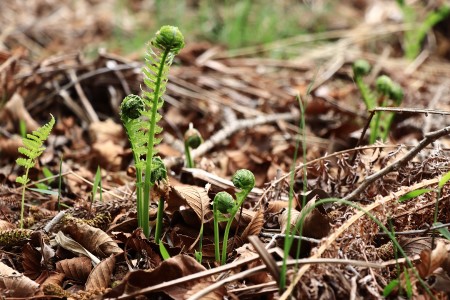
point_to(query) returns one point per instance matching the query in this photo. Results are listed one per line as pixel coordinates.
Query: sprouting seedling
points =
(33, 148)
(391, 94)
(361, 68)
(223, 203)
(388, 93)
(413, 38)
(245, 181)
(192, 139)
(140, 115)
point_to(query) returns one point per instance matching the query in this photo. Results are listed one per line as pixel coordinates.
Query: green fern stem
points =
(22, 205)
(150, 151)
(159, 222)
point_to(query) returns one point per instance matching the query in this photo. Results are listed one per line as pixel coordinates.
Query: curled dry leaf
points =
(15, 284)
(31, 262)
(93, 239)
(73, 246)
(100, 277)
(315, 225)
(431, 260)
(255, 225)
(192, 196)
(77, 268)
(217, 294)
(173, 268)
(274, 207)
(53, 281)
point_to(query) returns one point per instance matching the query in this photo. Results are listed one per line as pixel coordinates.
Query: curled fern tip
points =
(169, 38)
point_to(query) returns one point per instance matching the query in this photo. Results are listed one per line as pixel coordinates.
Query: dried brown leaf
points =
(54, 278)
(217, 294)
(100, 277)
(15, 284)
(431, 260)
(415, 246)
(275, 206)
(255, 225)
(194, 197)
(77, 268)
(173, 268)
(93, 239)
(31, 261)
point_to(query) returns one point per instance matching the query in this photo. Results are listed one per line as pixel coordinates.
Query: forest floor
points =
(248, 106)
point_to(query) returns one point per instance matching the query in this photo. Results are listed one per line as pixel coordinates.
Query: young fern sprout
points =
(388, 90)
(140, 116)
(362, 68)
(32, 149)
(245, 181)
(223, 203)
(192, 139)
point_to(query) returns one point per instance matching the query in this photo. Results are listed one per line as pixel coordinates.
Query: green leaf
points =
(41, 186)
(390, 287)
(48, 174)
(444, 231)
(444, 180)
(162, 249)
(414, 194)
(97, 182)
(22, 180)
(45, 191)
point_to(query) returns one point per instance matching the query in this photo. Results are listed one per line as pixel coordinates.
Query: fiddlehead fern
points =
(140, 114)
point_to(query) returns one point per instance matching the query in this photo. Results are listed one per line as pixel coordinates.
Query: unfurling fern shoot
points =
(140, 115)
(33, 148)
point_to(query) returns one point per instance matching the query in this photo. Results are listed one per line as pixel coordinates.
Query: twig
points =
(289, 262)
(411, 110)
(265, 257)
(429, 138)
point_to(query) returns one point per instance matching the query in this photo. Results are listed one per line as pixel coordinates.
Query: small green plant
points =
(192, 139)
(413, 38)
(225, 204)
(97, 184)
(33, 148)
(140, 117)
(388, 93)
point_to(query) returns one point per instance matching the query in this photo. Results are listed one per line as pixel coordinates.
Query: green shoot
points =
(223, 203)
(245, 180)
(164, 253)
(413, 38)
(33, 148)
(140, 117)
(97, 183)
(60, 182)
(192, 139)
(388, 93)
(413, 194)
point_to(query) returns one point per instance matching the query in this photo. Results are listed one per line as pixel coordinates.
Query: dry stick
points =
(429, 138)
(227, 131)
(332, 238)
(290, 262)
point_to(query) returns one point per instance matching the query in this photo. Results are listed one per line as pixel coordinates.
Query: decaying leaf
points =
(100, 277)
(31, 261)
(15, 284)
(274, 207)
(255, 225)
(173, 268)
(191, 196)
(73, 246)
(217, 294)
(431, 260)
(93, 239)
(77, 268)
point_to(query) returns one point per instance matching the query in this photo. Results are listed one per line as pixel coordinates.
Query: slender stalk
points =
(216, 233)
(228, 227)
(159, 220)
(22, 206)
(151, 137)
(187, 153)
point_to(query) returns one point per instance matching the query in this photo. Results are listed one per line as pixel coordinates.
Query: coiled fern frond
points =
(140, 115)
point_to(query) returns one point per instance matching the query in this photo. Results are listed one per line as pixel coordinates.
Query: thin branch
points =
(429, 138)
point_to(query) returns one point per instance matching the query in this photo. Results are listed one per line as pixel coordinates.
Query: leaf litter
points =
(245, 107)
